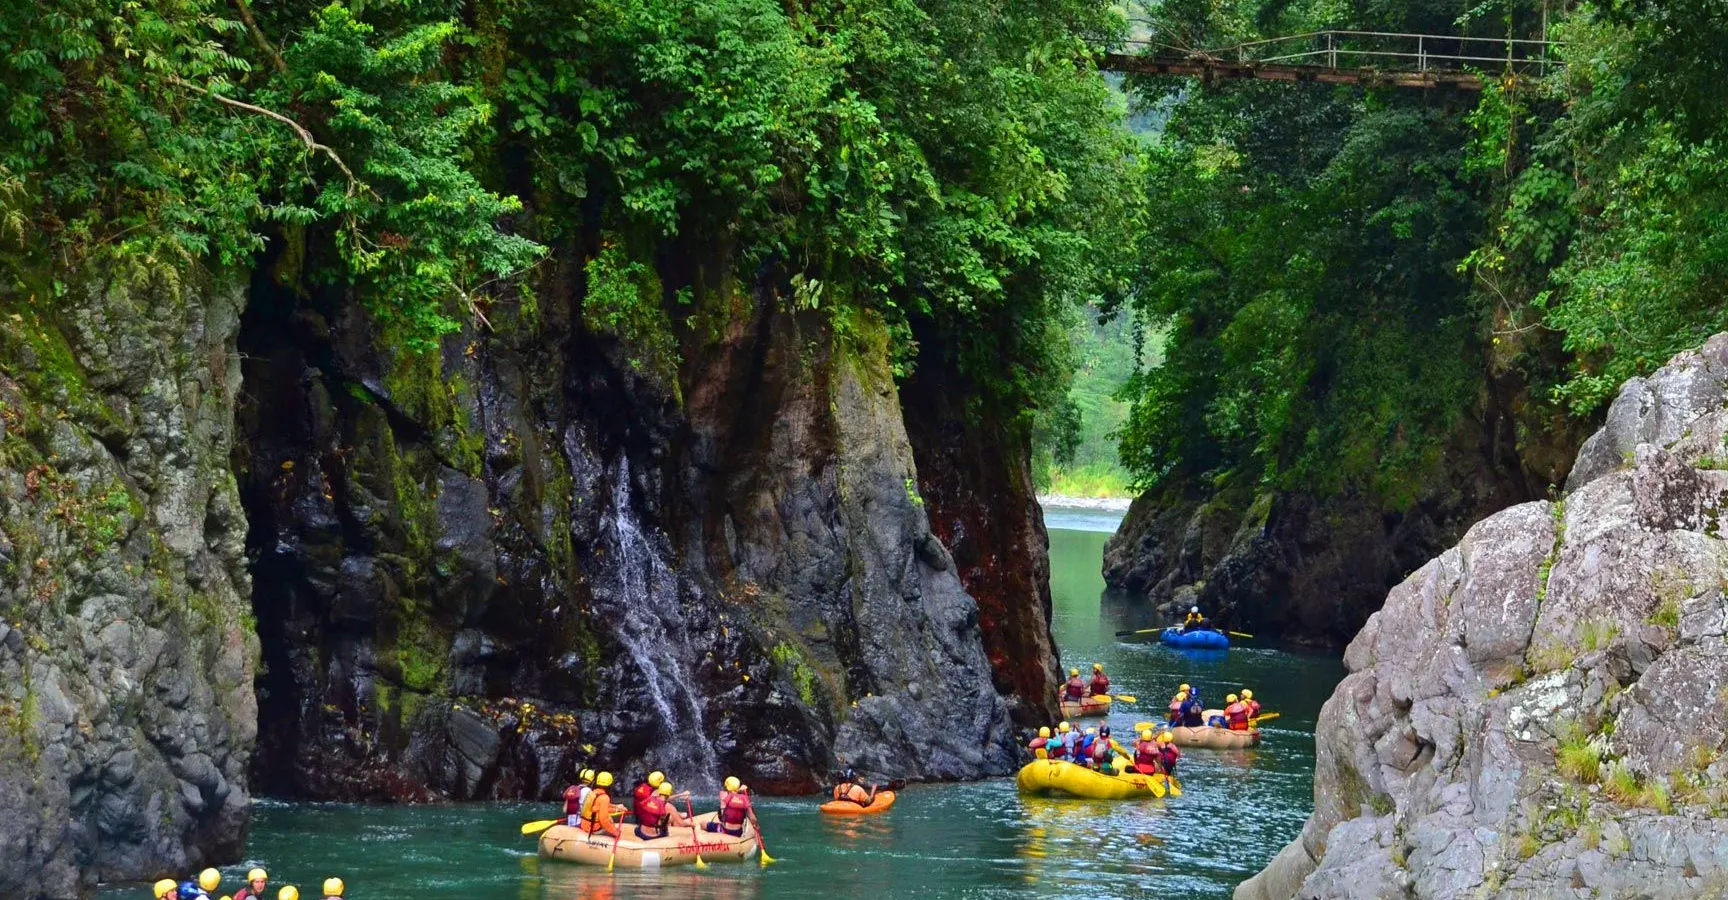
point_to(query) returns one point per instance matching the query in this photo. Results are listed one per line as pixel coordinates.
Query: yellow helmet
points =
(665, 788)
(1166, 738)
(587, 776)
(162, 888)
(1145, 734)
(733, 784)
(333, 887)
(1092, 731)
(257, 875)
(288, 892)
(1230, 699)
(655, 779)
(1064, 727)
(209, 880)
(1044, 731)
(604, 779)
(1184, 688)
(1073, 671)
(1247, 694)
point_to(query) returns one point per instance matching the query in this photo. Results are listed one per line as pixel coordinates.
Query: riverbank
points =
(1107, 504)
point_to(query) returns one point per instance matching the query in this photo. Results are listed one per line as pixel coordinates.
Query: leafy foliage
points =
(154, 131)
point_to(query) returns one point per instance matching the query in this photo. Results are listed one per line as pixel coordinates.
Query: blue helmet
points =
(189, 890)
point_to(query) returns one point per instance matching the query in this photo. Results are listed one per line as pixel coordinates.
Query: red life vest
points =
(1167, 756)
(1236, 716)
(1146, 754)
(652, 812)
(734, 807)
(573, 801)
(1075, 689)
(1253, 708)
(1037, 742)
(1100, 684)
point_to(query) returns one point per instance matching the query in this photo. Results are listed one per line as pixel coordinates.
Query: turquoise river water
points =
(979, 840)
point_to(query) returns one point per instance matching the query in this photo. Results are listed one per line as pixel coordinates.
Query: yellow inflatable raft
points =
(1085, 707)
(1055, 776)
(1210, 738)
(561, 842)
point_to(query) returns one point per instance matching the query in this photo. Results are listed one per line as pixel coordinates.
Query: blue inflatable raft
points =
(1193, 640)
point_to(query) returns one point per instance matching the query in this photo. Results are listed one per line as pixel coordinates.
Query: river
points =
(980, 840)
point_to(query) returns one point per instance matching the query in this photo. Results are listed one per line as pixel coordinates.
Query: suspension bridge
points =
(1349, 57)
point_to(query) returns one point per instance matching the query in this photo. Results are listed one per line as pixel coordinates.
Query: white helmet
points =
(1193, 609)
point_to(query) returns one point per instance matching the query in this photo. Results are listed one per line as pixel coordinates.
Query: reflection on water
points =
(982, 840)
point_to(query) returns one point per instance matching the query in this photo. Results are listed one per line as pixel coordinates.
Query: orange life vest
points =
(1236, 716)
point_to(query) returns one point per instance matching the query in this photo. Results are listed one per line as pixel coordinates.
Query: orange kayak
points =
(882, 801)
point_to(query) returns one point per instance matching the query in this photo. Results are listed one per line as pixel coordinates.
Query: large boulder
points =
(1539, 711)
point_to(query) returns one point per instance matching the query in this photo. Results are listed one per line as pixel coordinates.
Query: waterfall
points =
(653, 630)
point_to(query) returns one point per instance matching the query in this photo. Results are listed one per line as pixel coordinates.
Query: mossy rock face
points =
(122, 576)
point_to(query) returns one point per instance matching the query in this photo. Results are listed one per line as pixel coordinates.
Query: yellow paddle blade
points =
(1266, 717)
(537, 827)
(1143, 726)
(1127, 698)
(1156, 783)
(763, 858)
(699, 863)
(1175, 786)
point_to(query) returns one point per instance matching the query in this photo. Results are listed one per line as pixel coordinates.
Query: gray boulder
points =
(1538, 712)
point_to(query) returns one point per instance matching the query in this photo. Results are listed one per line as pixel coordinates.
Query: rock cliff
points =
(126, 649)
(1540, 710)
(543, 547)
(1310, 569)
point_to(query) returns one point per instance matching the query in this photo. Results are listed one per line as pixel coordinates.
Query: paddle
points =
(694, 836)
(1174, 785)
(615, 839)
(537, 827)
(1143, 631)
(1264, 717)
(761, 845)
(1238, 634)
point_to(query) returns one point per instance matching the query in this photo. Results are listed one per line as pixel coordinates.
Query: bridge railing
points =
(1381, 50)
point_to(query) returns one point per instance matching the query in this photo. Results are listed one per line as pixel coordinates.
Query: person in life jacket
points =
(257, 881)
(1146, 758)
(1253, 704)
(165, 889)
(1100, 683)
(1075, 688)
(333, 889)
(1193, 711)
(1083, 752)
(1235, 714)
(1101, 749)
(1194, 620)
(658, 816)
(1057, 747)
(574, 796)
(1037, 744)
(734, 808)
(850, 789)
(597, 814)
(209, 880)
(1168, 753)
(1175, 713)
(643, 791)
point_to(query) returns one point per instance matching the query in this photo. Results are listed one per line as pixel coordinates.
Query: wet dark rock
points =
(482, 569)
(1539, 711)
